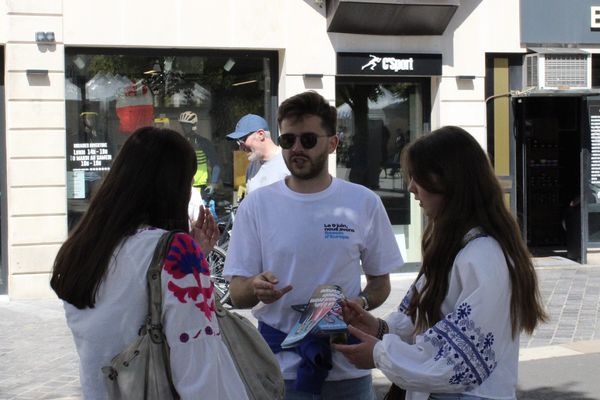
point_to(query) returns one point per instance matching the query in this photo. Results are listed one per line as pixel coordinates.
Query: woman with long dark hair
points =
(456, 333)
(100, 270)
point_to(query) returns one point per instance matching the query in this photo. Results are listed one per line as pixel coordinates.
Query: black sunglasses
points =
(308, 140)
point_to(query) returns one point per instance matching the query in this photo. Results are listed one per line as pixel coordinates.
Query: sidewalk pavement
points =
(561, 360)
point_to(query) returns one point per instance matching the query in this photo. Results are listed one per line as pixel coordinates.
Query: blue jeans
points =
(453, 396)
(349, 389)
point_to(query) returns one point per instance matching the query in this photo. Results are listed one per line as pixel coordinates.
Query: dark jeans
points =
(349, 389)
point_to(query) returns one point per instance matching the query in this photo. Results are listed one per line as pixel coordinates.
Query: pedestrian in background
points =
(266, 161)
(456, 333)
(100, 271)
(306, 230)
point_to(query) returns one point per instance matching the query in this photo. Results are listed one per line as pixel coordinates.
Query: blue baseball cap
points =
(248, 124)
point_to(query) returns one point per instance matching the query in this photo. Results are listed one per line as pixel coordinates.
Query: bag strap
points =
(219, 308)
(154, 324)
(472, 235)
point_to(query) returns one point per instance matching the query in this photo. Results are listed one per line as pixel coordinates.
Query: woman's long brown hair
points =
(449, 161)
(149, 183)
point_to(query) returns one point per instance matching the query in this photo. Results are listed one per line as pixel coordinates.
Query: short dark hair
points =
(149, 183)
(309, 103)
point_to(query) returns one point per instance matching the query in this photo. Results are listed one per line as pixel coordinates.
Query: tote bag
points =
(254, 360)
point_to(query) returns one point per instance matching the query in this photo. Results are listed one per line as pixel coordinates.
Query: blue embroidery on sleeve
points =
(464, 347)
(406, 300)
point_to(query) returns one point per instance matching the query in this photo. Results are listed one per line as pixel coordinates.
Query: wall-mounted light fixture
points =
(313, 76)
(47, 37)
(229, 64)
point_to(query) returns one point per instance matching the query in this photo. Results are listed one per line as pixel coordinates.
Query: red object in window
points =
(134, 117)
(134, 108)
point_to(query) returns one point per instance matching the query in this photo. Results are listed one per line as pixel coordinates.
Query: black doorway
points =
(548, 132)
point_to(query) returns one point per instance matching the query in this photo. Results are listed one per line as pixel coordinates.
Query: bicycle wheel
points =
(216, 262)
(223, 241)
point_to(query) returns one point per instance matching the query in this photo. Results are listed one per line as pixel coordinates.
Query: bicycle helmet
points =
(188, 117)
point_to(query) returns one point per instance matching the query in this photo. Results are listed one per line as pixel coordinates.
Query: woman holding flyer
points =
(456, 333)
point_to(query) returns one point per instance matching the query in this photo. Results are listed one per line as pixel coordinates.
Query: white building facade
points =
(79, 76)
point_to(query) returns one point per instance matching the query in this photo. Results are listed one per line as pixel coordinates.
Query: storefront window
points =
(201, 95)
(375, 121)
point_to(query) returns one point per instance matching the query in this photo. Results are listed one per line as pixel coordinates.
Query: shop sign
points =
(90, 157)
(389, 64)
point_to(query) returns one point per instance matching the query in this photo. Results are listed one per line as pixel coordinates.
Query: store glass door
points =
(549, 184)
(376, 119)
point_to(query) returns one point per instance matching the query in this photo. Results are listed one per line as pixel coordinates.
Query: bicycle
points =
(216, 263)
(225, 225)
(216, 258)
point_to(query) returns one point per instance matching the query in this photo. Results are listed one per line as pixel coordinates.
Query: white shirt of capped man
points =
(269, 172)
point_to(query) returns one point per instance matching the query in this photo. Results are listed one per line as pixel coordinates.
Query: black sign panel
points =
(389, 64)
(594, 115)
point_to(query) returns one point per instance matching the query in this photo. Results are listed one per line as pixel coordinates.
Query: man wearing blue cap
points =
(266, 162)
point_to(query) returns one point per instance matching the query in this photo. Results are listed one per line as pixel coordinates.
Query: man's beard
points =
(315, 166)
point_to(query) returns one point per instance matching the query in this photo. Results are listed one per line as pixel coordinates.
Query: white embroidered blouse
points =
(200, 362)
(472, 349)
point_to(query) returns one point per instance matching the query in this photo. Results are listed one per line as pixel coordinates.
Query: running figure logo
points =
(372, 63)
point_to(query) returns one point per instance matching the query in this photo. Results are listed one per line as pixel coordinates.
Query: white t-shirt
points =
(270, 171)
(200, 362)
(472, 347)
(307, 240)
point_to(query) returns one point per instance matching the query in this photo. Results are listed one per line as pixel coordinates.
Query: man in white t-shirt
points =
(303, 231)
(266, 162)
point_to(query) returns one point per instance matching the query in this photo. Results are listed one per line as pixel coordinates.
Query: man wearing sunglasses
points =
(266, 162)
(306, 230)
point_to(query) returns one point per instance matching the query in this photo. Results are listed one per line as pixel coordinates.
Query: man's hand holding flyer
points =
(321, 316)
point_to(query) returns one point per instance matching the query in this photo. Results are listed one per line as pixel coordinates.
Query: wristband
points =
(382, 329)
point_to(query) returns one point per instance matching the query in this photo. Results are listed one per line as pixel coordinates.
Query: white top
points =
(472, 350)
(306, 240)
(194, 205)
(270, 171)
(200, 362)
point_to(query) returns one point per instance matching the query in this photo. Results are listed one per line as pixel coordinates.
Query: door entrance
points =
(549, 141)
(377, 118)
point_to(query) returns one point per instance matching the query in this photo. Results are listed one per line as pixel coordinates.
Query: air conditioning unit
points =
(555, 70)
